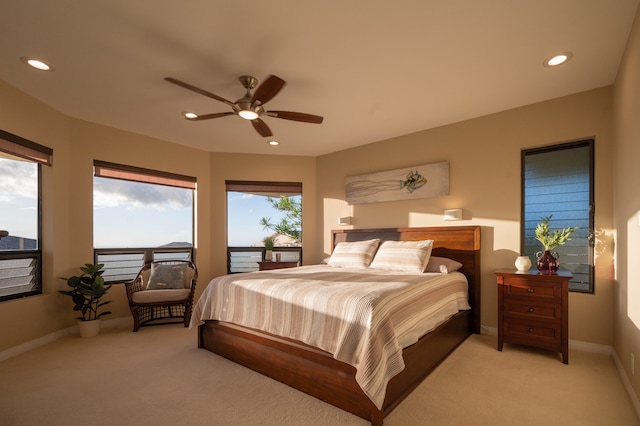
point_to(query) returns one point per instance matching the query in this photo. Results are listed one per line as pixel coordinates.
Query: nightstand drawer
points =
(542, 291)
(532, 311)
(528, 331)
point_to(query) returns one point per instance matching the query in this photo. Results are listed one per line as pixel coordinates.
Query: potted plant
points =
(269, 242)
(87, 291)
(548, 261)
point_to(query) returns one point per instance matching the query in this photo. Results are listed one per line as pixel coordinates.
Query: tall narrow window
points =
(256, 210)
(20, 221)
(557, 181)
(140, 215)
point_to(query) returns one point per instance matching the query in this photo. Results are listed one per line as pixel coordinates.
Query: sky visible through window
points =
(19, 198)
(130, 214)
(244, 212)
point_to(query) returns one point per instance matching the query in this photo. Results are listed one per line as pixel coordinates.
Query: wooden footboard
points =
(317, 373)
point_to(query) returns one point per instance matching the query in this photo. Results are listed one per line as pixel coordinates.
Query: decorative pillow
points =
(167, 276)
(442, 265)
(357, 254)
(403, 256)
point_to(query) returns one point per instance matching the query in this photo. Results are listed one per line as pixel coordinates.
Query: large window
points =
(20, 219)
(256, 210)
(558, 181)
(140, 215)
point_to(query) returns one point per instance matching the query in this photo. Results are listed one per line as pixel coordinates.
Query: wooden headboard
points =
(460, 243)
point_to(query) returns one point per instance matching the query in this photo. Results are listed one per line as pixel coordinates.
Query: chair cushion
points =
(165, 277)
(156, 296)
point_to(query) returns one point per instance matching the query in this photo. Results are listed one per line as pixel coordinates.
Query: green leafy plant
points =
(291, 224)
(551, 240)
(87, 291)
(269, 242)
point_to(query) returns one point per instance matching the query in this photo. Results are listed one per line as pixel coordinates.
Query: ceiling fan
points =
(251, 106)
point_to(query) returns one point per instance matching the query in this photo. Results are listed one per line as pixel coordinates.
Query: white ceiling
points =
(373, 69)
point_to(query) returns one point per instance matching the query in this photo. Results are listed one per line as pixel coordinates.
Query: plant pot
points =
(523, 263)
(89, 328)
(268, 255)
(548, 262)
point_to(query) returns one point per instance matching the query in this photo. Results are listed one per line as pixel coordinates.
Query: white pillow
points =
(357, 254)
(442, 265)
(403, 256)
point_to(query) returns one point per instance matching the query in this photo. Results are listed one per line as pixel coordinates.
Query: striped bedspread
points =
(363, 317)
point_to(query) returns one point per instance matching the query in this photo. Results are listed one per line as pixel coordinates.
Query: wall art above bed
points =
(428, 180)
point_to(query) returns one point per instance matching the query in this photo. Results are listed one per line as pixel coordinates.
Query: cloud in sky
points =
(17, 179)
(114, 193)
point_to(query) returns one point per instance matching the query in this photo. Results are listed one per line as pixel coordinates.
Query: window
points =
(20, 223)
(256, 210)
(140, 215)
(558, 181)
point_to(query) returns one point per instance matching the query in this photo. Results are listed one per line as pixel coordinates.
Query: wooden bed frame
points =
(318, 374)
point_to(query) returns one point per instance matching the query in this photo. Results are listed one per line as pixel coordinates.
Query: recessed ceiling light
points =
(273, 143)
(557, 59)
(37, 64)
(189, 115)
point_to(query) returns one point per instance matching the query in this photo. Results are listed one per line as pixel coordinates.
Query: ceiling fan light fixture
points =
(248, 114)
(273, 143)
(189, 115)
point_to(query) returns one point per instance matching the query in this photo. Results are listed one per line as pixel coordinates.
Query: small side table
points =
(268, 265)
(533, 310)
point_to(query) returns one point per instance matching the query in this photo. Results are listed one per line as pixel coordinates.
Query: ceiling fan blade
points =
(209, 116)
(268, 89)
(261, 127)
(296, 116)
(198, 90)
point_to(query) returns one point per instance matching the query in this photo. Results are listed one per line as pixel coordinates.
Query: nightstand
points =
(268, 265)
(533, 310)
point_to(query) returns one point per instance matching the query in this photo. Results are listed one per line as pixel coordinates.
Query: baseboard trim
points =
(626, 383)
(573, 344)
(51, 337)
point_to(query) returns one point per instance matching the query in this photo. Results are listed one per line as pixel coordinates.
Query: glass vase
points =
(548, 261)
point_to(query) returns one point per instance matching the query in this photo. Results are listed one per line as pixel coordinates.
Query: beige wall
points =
(484, 156)
(68, 204)
(627, 207)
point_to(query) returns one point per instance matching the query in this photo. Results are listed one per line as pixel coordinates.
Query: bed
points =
(318, 373)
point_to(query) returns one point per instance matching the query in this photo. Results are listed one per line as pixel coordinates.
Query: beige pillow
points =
(442, 265)
(403, 256)
(356, 254)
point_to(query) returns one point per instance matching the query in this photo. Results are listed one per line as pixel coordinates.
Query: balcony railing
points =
(122, 265)
(245, 259)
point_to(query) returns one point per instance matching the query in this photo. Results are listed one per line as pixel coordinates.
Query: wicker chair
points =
(163, 290)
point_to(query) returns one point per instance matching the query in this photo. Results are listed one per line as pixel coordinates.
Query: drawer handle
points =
(531, 330)
(530, 309)
(530, 290)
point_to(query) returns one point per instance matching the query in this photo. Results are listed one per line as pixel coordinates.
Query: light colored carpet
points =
(159, 377)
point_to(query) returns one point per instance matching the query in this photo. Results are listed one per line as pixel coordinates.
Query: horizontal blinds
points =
(265, 188)
(137, 174)
(558, 183)
(23, 148)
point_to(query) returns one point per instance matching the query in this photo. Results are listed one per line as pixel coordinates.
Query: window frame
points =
(262, 188)
(41, 155)
(590, 144)
(108, 170)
